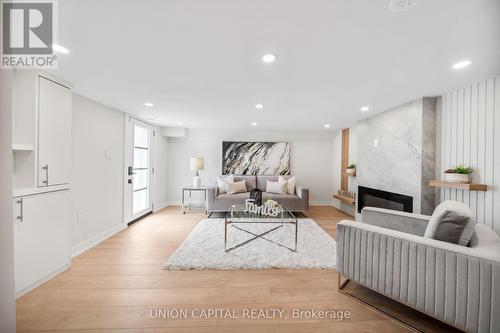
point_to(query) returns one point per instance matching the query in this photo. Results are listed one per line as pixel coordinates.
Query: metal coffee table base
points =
(257, 236)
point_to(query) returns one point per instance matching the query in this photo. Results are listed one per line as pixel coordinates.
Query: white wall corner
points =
(159, 207)
(87, 245)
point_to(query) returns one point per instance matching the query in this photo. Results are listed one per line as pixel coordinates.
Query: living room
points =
(321, 166)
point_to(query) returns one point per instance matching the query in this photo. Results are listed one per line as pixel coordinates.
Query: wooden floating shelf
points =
(346, 200)
(459, 186)
(21, 147)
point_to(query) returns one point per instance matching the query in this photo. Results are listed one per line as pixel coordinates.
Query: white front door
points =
(138, 169)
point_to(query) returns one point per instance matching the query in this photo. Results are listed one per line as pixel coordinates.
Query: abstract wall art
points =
(255, 158)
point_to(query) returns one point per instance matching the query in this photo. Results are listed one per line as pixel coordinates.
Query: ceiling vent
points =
(402, 5)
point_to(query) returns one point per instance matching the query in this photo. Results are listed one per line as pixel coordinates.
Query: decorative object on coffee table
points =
(256, 195)
(459, 174)
(197, 164)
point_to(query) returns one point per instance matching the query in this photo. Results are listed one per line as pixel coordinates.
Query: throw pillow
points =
(290, 184)
(451, 222)
(236, 187)
(276, 187)
(221, 182)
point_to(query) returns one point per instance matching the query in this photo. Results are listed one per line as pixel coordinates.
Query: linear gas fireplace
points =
(370, 197)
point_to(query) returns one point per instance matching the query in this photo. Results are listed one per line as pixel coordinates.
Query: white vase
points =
(457, 178)
(196, 181)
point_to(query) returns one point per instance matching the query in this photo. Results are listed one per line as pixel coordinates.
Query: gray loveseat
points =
(217, 202)
(387, 252)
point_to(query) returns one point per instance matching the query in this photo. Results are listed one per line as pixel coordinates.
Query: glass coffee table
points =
(239, 218)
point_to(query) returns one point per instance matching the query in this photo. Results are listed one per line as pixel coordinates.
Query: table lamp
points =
(197, 164)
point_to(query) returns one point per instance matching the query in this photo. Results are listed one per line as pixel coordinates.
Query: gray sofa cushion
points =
(250, 181)
(262, 181)
(289, 200)
(233, 199)
(451, 222)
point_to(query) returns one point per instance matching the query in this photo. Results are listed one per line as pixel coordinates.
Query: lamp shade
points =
(197, 163)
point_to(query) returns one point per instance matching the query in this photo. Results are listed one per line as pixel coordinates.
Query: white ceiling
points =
(199, 62)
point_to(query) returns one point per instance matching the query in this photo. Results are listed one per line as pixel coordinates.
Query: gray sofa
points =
(457, 284)
(222, 202)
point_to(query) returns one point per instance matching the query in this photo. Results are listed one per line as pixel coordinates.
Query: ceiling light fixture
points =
(254, 124)
(259, 106)
(327, 125)
(179, 123)
(269, 58)
(461, 64)
(149, 104)
(365, 108)
(60, 49)
(402, 5)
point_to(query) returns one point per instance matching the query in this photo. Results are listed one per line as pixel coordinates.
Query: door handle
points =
(46, 168)
(20, 216)
(131, 171)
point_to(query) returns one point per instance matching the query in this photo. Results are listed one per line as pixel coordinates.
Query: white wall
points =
(160, 177)
(97, 180)
(469, 132)
(336, 170)
(311, 158)
(7, 298)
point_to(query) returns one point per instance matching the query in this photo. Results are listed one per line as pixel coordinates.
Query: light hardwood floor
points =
(114, 286)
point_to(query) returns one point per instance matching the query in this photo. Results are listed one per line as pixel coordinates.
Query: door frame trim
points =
(129, 218)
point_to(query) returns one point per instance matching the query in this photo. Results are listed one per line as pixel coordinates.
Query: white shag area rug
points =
(204, 248)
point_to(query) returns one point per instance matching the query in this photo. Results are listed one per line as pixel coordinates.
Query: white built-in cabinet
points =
(41, 137)
(54, 133)
(41, 237)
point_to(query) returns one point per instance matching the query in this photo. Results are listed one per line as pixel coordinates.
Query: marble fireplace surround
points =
(396, 152)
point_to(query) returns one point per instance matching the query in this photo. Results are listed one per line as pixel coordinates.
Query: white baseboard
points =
(160, 206)
(321, 203)
(41, 281)
(79, 249)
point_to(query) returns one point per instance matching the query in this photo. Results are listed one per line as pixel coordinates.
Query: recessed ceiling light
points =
(149, 104)
(269, 58)
(365, 108)
(179, 123)
(254, 124)
(402, 5)
(60, 49)
(259, 106)
(461, 64)
(327, 125)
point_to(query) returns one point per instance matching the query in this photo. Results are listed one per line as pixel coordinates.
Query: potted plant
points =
(460, 174)
(351, 170)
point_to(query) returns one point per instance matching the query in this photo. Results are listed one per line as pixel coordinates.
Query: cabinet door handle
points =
(46, 168)
(20, 217)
